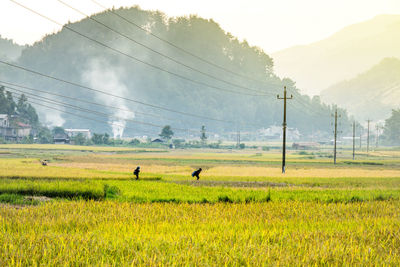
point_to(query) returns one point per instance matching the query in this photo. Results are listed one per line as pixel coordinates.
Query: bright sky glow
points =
(270, 24)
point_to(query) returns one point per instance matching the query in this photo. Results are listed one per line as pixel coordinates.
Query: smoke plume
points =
(101, 75)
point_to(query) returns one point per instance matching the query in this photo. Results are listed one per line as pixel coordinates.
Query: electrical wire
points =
(59, 103)
(132, 57)
(116, 96)
(157, 52)
(174, 45)
(82, 100)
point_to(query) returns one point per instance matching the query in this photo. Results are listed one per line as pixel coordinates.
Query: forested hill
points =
(74, 58)
(370, 95)
(9, 50)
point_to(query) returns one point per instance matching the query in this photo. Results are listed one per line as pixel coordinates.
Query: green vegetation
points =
(26, 112)
(9, 50)
(166, 133)
(392, 128)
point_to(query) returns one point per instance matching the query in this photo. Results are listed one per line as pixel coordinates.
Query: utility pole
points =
(238, 138)
(354, 140)
(368, 136)
(335, 139)
(360, 138)
(377, 134)
(284, 128)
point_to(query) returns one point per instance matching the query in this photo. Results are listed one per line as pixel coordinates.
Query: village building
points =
(13, 131)
(74, 132)
(306, 145)
(61, 139)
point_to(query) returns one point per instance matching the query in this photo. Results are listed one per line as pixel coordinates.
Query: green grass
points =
(151, 191)
(52, 188)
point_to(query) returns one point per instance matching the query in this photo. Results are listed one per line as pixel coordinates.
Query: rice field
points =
(85, 208)
(282, 233)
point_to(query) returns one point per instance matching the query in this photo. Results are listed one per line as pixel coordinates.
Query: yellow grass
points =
(280, 234)
(31, 167)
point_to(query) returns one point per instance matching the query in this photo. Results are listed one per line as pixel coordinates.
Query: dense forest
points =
(9, 50)
(23, 110)
(71, 57)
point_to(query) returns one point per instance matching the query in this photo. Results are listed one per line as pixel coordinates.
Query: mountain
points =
(345, 54)
(72, 57)
(9, 50)
(370, 95)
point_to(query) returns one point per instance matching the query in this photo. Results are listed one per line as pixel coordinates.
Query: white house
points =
(15, 131)
(4, 121)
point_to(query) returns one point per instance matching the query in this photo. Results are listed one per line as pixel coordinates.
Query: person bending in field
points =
(196, 173)
(136, 172)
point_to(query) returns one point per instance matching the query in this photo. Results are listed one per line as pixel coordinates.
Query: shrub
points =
(225, 199)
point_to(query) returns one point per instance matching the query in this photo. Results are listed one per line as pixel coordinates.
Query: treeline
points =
(391, 130)
(22, 110)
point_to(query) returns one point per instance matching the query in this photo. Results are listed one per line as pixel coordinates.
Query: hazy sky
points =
(269, 24)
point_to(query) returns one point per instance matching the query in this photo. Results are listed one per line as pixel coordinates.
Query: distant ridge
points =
(345, 54)
(371, 94)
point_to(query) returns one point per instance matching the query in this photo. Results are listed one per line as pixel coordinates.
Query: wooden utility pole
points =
(238, 138)
(335, 139)
(354, 140)
(368, 136)
(284, 128)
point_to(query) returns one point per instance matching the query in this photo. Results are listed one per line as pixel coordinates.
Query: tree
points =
(166, 133)
(392, 128)
(178, 142)
(203, 136)
(7, 104)
(44, 136)
(58, 130)
(26, 112)
(97, 139)
(11, 104)
(106, 139)
(79, 139)
(134, 142)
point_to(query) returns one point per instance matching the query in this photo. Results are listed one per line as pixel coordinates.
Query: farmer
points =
(136, 172)
(196, 173)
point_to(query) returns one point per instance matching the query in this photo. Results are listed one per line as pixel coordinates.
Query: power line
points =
(81, 100)
(174, 45)
(134, 58)
(98, 104)
(60, 104)
(51, 101)
(113, 95)
(157, 52)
